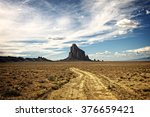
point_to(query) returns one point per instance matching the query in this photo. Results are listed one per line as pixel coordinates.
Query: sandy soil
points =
(85, 86)
(75, 80)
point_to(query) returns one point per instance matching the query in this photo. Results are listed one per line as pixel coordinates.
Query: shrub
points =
(52, 78)
(11, 93)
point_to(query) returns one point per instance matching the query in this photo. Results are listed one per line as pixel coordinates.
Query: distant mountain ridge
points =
(21, 59)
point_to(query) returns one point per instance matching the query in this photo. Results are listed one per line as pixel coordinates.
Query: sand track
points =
(85, 86)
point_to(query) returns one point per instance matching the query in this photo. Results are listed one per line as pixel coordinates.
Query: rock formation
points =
(21, 59)
(76, 54)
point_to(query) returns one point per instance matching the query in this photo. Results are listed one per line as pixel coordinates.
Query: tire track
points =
(85, 86)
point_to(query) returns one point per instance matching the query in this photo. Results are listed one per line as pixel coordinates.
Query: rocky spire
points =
(77, 54)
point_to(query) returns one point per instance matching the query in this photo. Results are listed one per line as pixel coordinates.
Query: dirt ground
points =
(85, 86)
(75, 80)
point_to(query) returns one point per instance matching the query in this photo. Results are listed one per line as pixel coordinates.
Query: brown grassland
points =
(75, 80)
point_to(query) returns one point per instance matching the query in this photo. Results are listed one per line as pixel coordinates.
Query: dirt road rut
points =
(85, 86)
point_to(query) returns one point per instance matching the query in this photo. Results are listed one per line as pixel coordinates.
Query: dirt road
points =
(85, 86)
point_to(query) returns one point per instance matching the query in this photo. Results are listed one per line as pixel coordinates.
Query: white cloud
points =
(126, 23)
(123, 55)
(122, 32)
(63, 21)
(140, 50)
(147, 12)
(118, 54)
(90, 25)
(103, 53)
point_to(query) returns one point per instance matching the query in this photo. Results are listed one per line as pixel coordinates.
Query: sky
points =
(104, 29)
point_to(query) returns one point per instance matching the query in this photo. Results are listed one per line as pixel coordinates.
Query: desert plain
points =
(75, 80)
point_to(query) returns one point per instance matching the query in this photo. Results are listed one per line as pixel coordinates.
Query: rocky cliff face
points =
(77, 54)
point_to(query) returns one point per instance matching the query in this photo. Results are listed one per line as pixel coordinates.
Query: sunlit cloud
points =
(123, 55)
(140, 50)
(147, 12)
(57, 26)
(126, 23)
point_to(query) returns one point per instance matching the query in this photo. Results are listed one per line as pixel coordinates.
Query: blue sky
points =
(105, 29)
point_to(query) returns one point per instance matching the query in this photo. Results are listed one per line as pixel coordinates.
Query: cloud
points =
(63, 21)
(103, 53)
(59, 25)
(140, 50)
(30, 41)
(147, 12)
(118, 54)
(123, 55)
(126, 23)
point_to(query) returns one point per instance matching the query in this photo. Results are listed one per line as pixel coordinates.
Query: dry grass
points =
(32, 80)
(127, 80)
